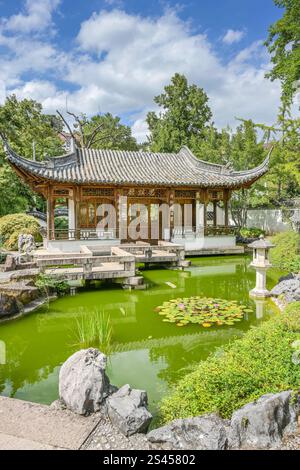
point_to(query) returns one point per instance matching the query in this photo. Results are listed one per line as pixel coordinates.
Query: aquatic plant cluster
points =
(203, 311)
(93, 329)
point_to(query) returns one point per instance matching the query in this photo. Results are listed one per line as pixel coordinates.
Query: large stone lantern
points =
(260, 263)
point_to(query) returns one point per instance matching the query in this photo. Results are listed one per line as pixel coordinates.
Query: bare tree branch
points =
(82, 140)
(108, 134)
(103, 137)
(90, 141)
(66, 124)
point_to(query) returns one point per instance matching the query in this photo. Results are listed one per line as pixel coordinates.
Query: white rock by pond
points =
(206, 432)
(127, 410)
(262, 423)
(83, 383)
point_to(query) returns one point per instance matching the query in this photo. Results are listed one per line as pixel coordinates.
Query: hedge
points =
(258, 363)
(13, 225)
(286, 254)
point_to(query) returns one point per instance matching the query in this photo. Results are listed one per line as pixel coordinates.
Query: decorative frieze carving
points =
(96, 192)
(145, 193)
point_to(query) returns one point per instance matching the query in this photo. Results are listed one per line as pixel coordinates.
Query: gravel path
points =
(107, 437)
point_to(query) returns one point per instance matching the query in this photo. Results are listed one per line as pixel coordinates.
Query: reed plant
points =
(94, 329)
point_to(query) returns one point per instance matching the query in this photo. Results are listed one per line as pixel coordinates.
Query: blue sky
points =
(113, 55)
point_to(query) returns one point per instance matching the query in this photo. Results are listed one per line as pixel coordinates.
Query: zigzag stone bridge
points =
(115, 262)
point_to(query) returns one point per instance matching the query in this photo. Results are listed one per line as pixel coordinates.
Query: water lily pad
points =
(203, 311)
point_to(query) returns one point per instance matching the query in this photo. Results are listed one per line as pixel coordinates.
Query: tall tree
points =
(283, 44)
(22, 123)
(184, 116)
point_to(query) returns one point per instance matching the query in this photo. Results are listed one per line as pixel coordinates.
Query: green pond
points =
(146, 352)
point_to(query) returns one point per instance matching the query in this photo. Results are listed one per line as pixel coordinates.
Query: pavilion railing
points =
(198, 232)
(112, 233)
(83, 234)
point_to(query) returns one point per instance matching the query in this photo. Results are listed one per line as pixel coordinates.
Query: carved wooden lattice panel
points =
(215, 195)
(185, 193)
(60, 192)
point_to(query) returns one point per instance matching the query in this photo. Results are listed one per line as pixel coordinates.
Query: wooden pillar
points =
(50, 214)
(226, 216)
(171, 211)
(77, 211)
(194, 216)
(117, 209)
(128, 210)
(215, 213)
(149, 220)
(205, 214)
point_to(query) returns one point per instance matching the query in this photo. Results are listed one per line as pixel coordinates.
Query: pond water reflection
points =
(145, 351)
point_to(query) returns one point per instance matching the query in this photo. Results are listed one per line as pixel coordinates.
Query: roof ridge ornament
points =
(227, 169)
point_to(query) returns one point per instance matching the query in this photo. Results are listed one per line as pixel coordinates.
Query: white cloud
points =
(37, 16)
(122, 61)
(115, 3)
(233, 36)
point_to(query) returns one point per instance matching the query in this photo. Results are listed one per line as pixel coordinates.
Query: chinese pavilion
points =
(87, 179)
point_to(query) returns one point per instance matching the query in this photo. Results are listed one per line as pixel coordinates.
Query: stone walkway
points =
(25, 425)
(31, 426)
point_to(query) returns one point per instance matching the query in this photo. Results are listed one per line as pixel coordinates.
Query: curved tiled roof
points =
(119, 167)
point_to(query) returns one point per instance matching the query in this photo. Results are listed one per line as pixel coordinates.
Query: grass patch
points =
(259, 363)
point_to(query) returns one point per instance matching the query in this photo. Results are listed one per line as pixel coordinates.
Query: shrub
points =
(49, 284)
(259, 363)
(61, 223)
(251, 232)
(3, 256)
(286, 254)
(13, 225)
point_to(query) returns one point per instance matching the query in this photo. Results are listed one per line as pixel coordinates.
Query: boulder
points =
(10, 263)
(127, 410)
(8, 305)
(290, 288)
(83, 383)
(262, 423)
(288, 277)
(206, 432)
(293, 296)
